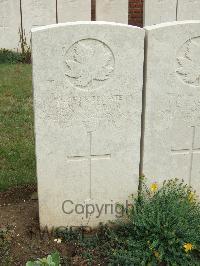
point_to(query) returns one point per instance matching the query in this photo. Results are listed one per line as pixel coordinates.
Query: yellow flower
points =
(154, 187)
(188, 247)
(192, 197)
(156, 254)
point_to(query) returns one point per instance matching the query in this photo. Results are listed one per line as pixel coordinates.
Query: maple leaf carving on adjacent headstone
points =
(90, 60)
(189, 63)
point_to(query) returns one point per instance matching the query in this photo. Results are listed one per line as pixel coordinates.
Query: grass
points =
(17, 156)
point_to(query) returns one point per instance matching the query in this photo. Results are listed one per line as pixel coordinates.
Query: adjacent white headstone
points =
(10, 24)
(88, 100)
(172, 133)
(159, 11)
(37, 13)
(74, 10)
(188, 10)
(112, 10)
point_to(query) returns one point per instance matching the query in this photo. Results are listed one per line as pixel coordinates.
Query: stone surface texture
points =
(74, 10)
(88, 100)
(159, 11)
(172, 130)
(10, 22)
(188, 10)
(112, 10)
(37, 13)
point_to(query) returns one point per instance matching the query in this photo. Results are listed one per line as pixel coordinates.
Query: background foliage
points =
(11, 57)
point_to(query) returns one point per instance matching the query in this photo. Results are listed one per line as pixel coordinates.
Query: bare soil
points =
(19, 215)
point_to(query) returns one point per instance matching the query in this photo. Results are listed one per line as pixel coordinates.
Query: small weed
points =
(51, 260)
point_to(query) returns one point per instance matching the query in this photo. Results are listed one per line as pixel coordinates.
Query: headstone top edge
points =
(169, 24)
(80, 23)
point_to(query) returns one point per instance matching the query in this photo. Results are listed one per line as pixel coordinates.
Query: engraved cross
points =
(90, 157)
(189, 151)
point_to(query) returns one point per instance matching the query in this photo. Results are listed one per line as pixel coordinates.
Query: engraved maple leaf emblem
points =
(89, 61)
(189, 63)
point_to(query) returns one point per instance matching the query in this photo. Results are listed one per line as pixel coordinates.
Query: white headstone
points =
(10, 24)
(188, 10)
(87, 91)
(74, 10)
(37, 13)
(159, 11)
(172, 130)
(112, 10)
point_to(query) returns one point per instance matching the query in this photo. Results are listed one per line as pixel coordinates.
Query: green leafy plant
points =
(51, 260)
(10, 57)
(162, 228)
